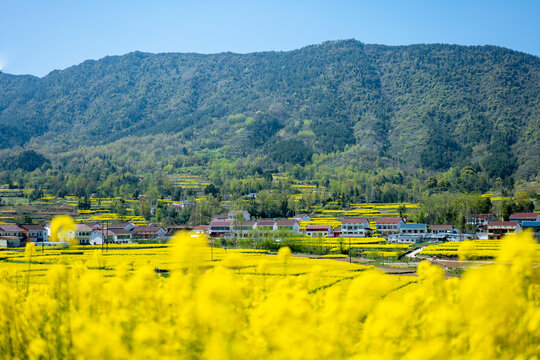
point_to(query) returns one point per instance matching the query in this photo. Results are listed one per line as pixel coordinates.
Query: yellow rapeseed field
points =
(252, 305)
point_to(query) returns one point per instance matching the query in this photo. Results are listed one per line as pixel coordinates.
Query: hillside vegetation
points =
(340, 104)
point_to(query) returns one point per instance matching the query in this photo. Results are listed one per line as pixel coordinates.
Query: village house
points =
(9, 241)
(220, 217)
(219, 228)
(11, 230)
(184, 204)
(525, 217)
(83, 233)
(264, 227)
(287, 226)
(141, 233)
(301, 217)
(533, 226)
(34, 232)
(388, 225)
(352, 227)
(480, 220)
(112, 236)
(497, 229)
(122, 225)
(201, 229)
(442, 229)
(412, 229)
(319, 230)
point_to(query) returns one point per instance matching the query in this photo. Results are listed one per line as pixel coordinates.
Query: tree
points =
(36, 194)
(144, 208)
(84, 203)
(211, 189)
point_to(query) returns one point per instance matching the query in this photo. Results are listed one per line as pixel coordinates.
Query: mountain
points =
(419, 106)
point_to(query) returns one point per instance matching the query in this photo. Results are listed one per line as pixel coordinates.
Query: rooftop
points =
(7, 227)
(524, 216)
(318, 227)
(503, 223)
(412, 226)
(388, 220)
(146, 229)
(354, 221)
(441, 227)
(266, 223)
(31, 227)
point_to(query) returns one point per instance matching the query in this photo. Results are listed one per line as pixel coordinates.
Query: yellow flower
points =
(63, 229)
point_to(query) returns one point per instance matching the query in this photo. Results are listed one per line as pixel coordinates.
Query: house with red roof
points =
(148, 233)
(442, 229)
(220, 228)
(388, 225)
(201, 229)
(287, 226)
(524, 217)
(353, 227)
(11, 230)
(33, 232)
(319, 230)
(220, 217)
(263, 227)
(497, 229)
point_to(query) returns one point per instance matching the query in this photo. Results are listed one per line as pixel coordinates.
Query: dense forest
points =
(368, 122)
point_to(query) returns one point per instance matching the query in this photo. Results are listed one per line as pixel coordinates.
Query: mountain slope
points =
(428, 106)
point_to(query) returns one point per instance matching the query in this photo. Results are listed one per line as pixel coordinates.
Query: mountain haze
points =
(429, 106)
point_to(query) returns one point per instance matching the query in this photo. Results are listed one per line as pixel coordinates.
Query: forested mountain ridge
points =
(419, 106)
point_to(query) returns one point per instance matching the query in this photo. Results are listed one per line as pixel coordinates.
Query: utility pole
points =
(102, 237)
(350, 259)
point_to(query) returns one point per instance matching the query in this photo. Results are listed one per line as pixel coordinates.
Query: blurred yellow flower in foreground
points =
(63, 229)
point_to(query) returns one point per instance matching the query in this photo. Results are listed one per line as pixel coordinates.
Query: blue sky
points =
(37, 37)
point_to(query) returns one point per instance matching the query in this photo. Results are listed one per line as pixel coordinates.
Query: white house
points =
(287, 226)
(442, 229)
(318, 230)
(115, 236)
(351, 227)
(412, 229)
(388, 225)
(34, 232)
(148, 233)
(83, 233)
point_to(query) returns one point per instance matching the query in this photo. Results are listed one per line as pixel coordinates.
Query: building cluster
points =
(239, 224)
(91, 234)
(395, 229)
(517, 222)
